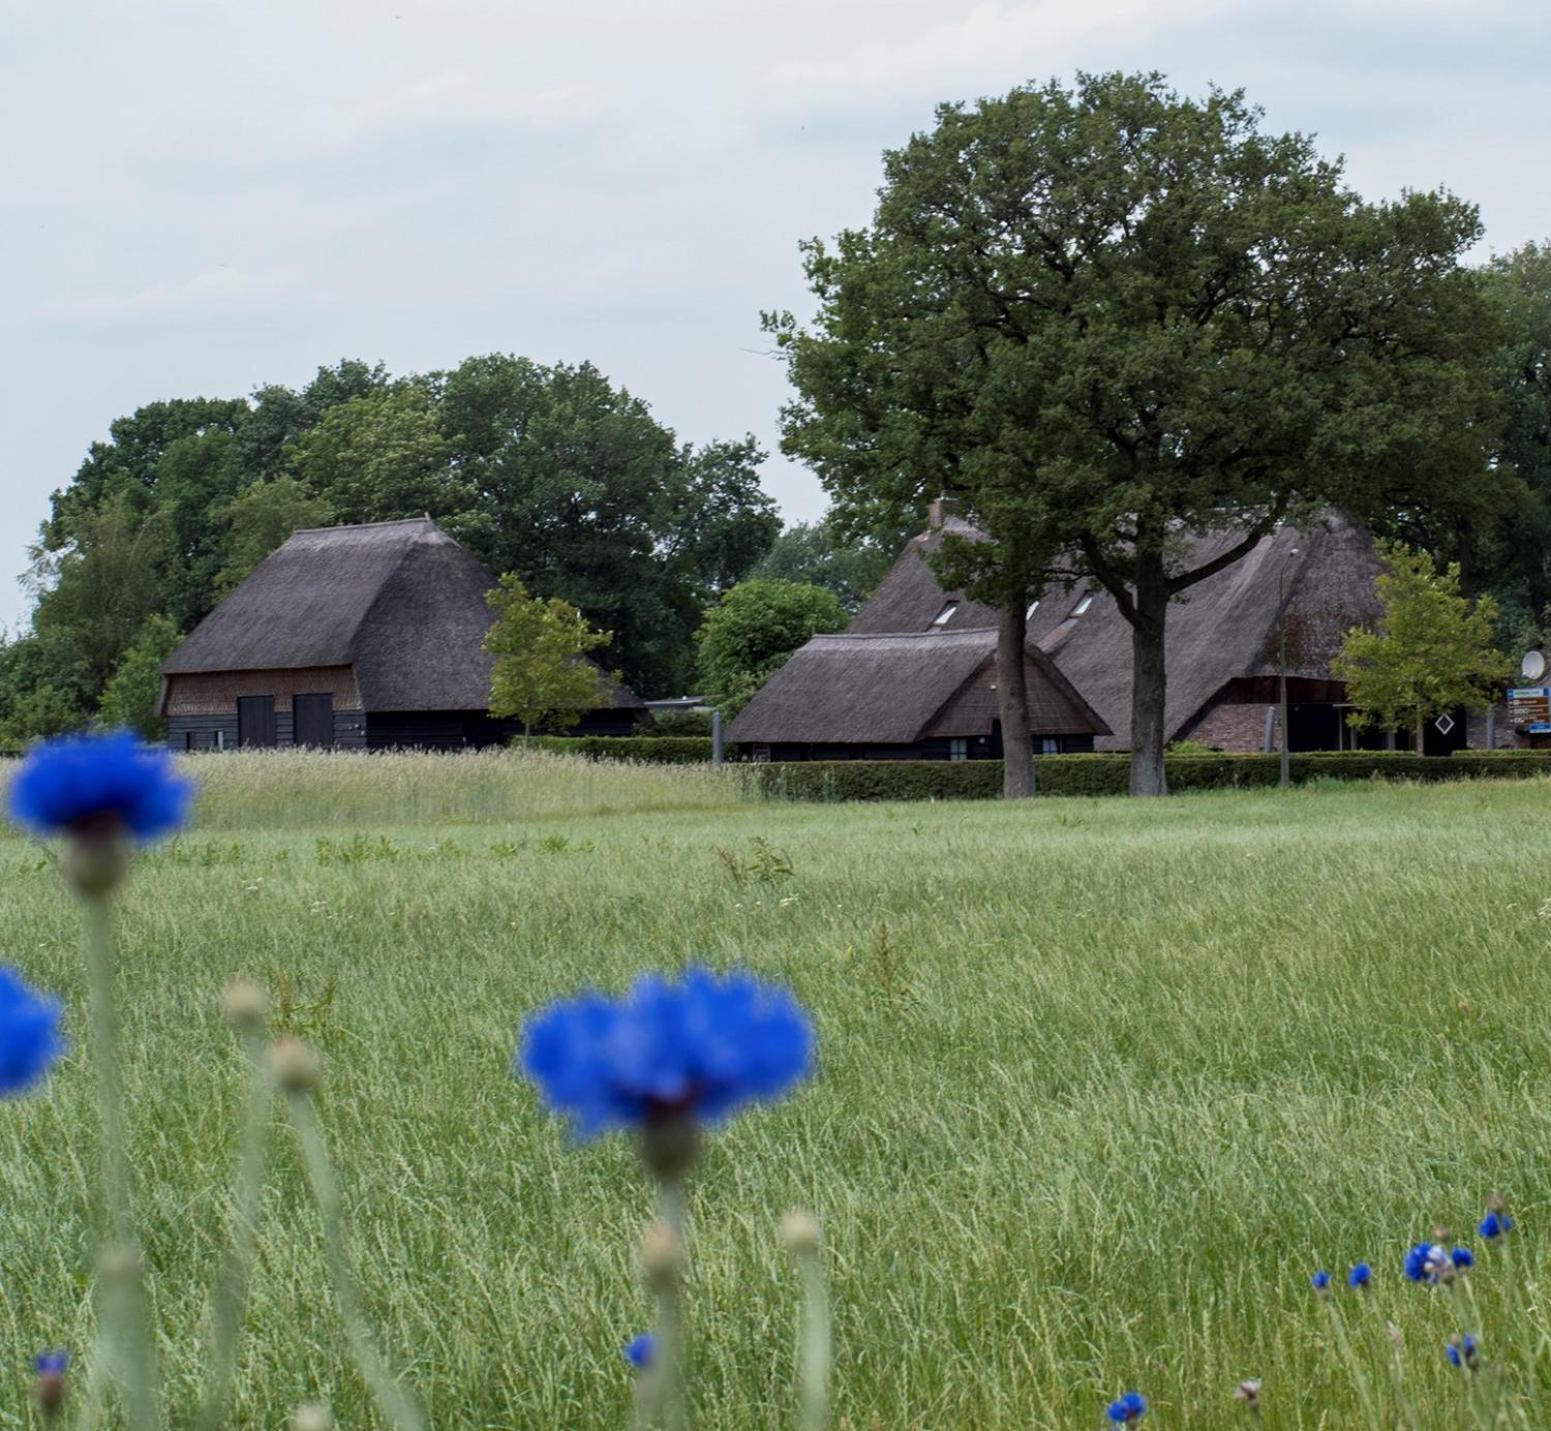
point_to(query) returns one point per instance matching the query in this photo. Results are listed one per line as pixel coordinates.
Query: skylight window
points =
(944, 616)
(1084, 604)
(1033, 607)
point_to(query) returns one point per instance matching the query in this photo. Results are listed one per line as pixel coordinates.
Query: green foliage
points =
(131, 694)
(542, 674)
(644, 749)
(677, 723)
(1432, 653)
(749, 634)
(1092, 775)
(548, 472)
(813, 554)
(1105, 313)
(259, 519)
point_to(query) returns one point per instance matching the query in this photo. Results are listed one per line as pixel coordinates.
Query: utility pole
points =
(1281, 666)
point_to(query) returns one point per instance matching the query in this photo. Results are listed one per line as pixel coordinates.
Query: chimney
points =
(940, 509)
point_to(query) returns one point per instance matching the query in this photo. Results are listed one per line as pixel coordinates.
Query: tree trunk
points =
(527, 734)
(1420, 737)
(1147, 676)
(1012, 689)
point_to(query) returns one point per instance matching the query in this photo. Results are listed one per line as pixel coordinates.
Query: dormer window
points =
(944, 616)
(1083, 604)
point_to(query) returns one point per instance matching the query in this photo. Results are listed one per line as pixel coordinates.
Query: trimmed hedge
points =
(1110, 774)
(648, 749)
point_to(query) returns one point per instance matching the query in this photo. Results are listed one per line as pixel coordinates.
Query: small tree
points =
(1433, 650)
(129, 699)
(748, 636)
(542, 675)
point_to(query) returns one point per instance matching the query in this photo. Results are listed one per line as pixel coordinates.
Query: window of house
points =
(946, 614)
(1083, 604)
(958, 748)
(1050, 745)
(1033, 607)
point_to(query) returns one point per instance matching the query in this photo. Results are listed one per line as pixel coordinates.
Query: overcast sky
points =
(199, 196)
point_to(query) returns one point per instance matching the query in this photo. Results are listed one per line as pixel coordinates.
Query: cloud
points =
(1039, 37)
(454, 98)
(217, 295)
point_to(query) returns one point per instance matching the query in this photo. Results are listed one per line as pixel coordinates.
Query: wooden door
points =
(255, 720)
(314, 717)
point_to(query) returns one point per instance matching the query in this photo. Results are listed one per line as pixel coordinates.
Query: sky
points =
(200, 197)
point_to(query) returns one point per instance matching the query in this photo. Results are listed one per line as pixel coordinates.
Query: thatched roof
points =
(1223, 630)
(889, 689)
(401, 602)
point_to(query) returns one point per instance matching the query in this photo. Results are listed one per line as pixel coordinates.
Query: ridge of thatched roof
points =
(886, 688)
(401, 602)
(1223, 629)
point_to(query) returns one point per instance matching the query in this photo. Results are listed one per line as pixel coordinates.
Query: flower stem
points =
(230, 1291)
(392, 1401)
(813, 1349)
(1359, 1376)
(123, 1328)
(661, 1398)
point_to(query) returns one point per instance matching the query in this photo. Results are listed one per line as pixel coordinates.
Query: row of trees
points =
(549, 473)
(1106, 315)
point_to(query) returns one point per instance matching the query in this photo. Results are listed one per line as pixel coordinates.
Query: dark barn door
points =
(314, 715)
(255, 720)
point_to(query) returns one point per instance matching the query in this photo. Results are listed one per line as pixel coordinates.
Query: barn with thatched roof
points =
(353, 637)
(1224, 648)
(910, 695)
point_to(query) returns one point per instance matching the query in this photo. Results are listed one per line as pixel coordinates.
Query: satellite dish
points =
(1533, 666)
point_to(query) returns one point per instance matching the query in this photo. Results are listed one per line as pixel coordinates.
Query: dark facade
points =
(353, 638)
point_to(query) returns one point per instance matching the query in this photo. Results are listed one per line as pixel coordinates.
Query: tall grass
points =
(1101, 1084)
(285, 789)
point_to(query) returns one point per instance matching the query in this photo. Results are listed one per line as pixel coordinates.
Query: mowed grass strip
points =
(1102, 1083)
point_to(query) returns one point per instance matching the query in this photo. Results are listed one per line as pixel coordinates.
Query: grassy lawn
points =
(1102, 1083)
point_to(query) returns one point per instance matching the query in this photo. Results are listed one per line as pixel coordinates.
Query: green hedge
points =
(1110, 774)
(649, 749)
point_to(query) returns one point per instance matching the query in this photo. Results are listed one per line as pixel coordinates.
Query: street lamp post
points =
(1281, 667)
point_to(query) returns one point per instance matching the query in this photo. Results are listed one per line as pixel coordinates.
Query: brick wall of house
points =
(215, 693)
(1232, 725)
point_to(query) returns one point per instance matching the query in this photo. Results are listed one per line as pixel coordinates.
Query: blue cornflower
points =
(51, 1363)
(1494, 1224)
(1360, 1276)
(29, 1034)
(1425, 1261)
(1130, 1407)
(1463, 1258)
(1320, 1281)
(99, 784)
(1461, 1351)
(640, 1350)
(694, 1050)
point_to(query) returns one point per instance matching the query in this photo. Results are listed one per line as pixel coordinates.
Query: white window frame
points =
(958, 747)
(944, 616)
(1033, 607)
(1083, 603)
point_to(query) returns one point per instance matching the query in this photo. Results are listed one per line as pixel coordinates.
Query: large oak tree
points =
(1107, 317)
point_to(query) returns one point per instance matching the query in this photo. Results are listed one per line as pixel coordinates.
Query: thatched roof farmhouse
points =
(1222, 651)
(905, 695)
(356, 636)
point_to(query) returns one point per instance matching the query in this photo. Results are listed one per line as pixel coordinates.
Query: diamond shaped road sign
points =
(1444, 724)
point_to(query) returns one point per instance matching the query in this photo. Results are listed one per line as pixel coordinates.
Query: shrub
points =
(1082, 775)
(649, 749)
(677, 723)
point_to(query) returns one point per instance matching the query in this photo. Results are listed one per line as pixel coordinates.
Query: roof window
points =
(944, 616)
(1033, 607)
(1083, 604)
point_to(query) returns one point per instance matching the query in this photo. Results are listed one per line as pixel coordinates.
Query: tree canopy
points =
(550, 472)
(1106, 314)
(749, 634)
(1433, 650)
(542, 673)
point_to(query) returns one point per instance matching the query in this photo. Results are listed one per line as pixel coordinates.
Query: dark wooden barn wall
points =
(349, 730)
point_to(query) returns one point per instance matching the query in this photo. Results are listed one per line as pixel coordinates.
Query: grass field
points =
(1117, 1077)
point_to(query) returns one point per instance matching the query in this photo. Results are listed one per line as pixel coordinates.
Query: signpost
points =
(1530, 706)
